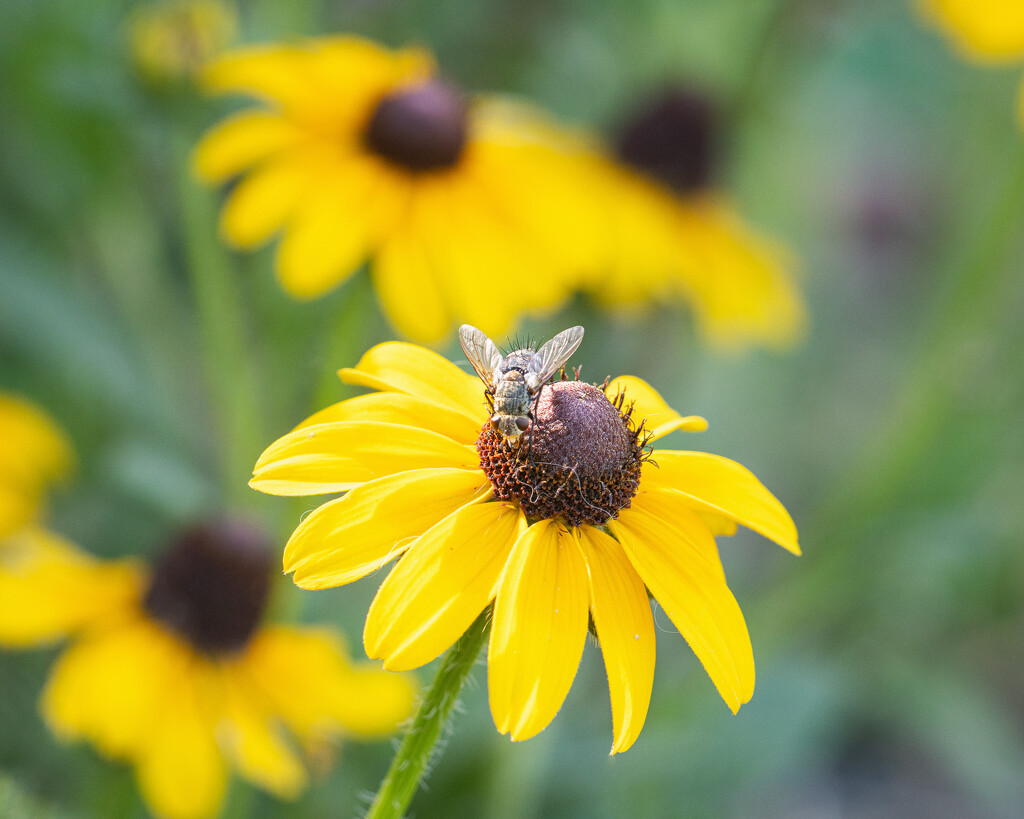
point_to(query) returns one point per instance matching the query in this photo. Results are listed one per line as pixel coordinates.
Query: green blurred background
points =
(889, 656)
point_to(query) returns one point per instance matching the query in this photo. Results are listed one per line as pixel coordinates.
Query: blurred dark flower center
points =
(672, 139)
(579, 461)
(422, 128)
(211, 585)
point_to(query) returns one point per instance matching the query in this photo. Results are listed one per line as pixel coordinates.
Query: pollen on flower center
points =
(580, 460)
(211, 585)
(422, 128)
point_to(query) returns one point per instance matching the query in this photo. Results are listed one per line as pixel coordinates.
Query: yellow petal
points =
(34, 452)
(540, 626)
(743, 289)
(335, 228)
(352, 536)
(265, 199)
(625, 627)
(336, 457)
(241, 141)
(49, 588)
(307, 677)
(18, 507)
(716, 485)
(110, 686)
(492, 271)
(281, 74)
(180, 770)
(440, 585)
(406, 277)
(371, 703)
(396, 408)
(678, 562)
(252, 740)
(397, 367)
(648, 406)
(992, 30)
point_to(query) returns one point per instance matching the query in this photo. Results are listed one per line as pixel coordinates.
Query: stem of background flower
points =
(346, 339)
(419, 746)
(924, 413)
(229, 373)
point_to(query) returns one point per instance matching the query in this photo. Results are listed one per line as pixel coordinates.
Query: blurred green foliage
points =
(889, 656)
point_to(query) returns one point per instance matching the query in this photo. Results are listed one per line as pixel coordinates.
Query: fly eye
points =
(494, 422)
(523, 423)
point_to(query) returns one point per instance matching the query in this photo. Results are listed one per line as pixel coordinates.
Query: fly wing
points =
(550, 358)
(482, 353)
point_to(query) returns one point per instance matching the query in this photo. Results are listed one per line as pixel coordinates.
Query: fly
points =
(514, 382)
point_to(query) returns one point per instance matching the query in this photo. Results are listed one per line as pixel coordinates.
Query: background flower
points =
(366, 153)
(171, 671)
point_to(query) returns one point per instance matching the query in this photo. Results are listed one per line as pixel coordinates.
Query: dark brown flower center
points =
(579, 461)
(422, 128)
(211, 585)
(674, 140)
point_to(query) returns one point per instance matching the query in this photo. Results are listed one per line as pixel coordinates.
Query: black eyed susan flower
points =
(578, 520)
(671, 235)
(461, 204)
(170, 670)
(34, 452)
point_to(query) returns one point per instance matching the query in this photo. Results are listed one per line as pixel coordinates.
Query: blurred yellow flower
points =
(670, 235)
(173, 39)
(170, 670)
(34, 453)
(463, 208)
(580, 519)
(983, 30)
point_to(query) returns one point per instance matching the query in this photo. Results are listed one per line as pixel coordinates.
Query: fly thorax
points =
(580, 460)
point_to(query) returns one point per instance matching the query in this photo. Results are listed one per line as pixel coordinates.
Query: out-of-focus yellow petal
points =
(742, 284)
(111, 685)
(440, 585)
(251, 739)
(398, 408)
(337, 457)
(278, 74)
(336, 226)
(660, 419)
(496, 266)
(307, 678)
(241, 141)
(679, 563)
(398, 367)
(407, 277)
(716, 485)
(17, 508)
(983, 30)
(352, 536)
(34, 451)
(625, 627)
(180, 769)
(48, 588)
(266, 198)
(539, 629)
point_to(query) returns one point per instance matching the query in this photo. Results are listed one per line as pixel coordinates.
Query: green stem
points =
(419, 746)
(229, 372)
